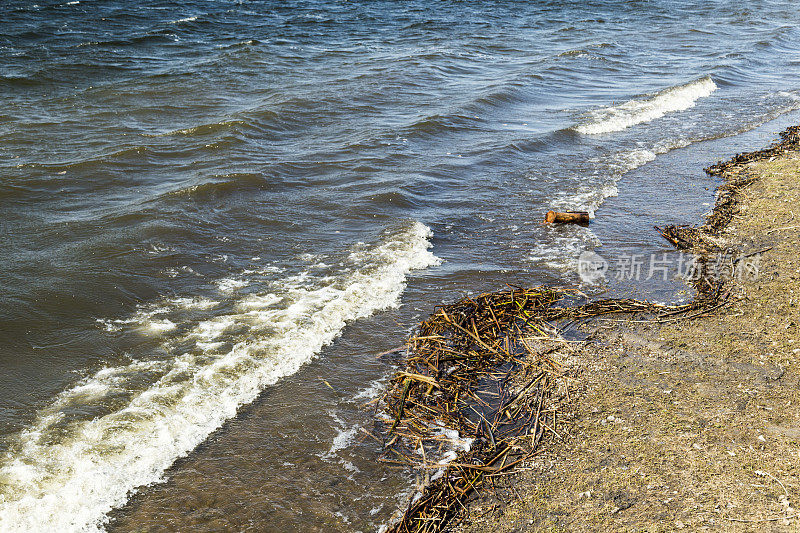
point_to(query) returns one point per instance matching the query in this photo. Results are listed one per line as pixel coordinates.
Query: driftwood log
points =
(570, 217)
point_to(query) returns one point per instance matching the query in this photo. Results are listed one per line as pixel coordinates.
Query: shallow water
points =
(217, 214)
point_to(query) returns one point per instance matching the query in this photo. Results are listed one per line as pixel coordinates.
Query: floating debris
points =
(570, 217)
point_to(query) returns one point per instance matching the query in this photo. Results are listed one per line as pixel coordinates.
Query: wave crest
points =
(63, 474)
(633, 112)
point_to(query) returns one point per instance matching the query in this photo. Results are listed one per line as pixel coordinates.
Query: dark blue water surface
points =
(216, 214)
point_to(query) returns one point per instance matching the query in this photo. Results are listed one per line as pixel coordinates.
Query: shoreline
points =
(649, 437)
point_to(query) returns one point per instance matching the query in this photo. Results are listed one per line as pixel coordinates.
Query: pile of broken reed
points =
(686, 237)
(702, 238)
(463, 373)
(705, 239)
(790, 141)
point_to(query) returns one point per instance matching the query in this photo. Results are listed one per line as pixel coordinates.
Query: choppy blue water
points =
(216, 213)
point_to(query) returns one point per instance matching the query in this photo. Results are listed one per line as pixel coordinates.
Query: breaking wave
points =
(633, 112)
(65, 472)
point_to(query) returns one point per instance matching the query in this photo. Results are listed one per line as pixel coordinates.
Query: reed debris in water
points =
(461, 388)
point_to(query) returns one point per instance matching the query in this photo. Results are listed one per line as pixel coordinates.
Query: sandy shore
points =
(689, 424)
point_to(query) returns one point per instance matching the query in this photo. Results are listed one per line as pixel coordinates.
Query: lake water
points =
(217, 214)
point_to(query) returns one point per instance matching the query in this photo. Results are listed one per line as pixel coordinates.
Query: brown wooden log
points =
(570, 217)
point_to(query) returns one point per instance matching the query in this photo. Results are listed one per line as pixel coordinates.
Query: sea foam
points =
(632, 112)
(66, 478)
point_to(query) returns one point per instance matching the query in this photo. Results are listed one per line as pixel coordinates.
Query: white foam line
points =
(618, 118)
(590, 198)
(453, 444)
(187, 19)
(69, 483)
(372, 391)
(150, 319)
(587, 198)
(343, 438)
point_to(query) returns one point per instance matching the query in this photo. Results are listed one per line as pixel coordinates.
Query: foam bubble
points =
(586, 198)
(454, 438)
(632, 112)
(231, 284)
(159, 326)
(146, 319)
(193, 303)
(187, 19)
(343, 438)
(791, 95)
(375, 388)
(62, 474)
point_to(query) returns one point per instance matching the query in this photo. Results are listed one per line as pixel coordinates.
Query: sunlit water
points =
(216, 215)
